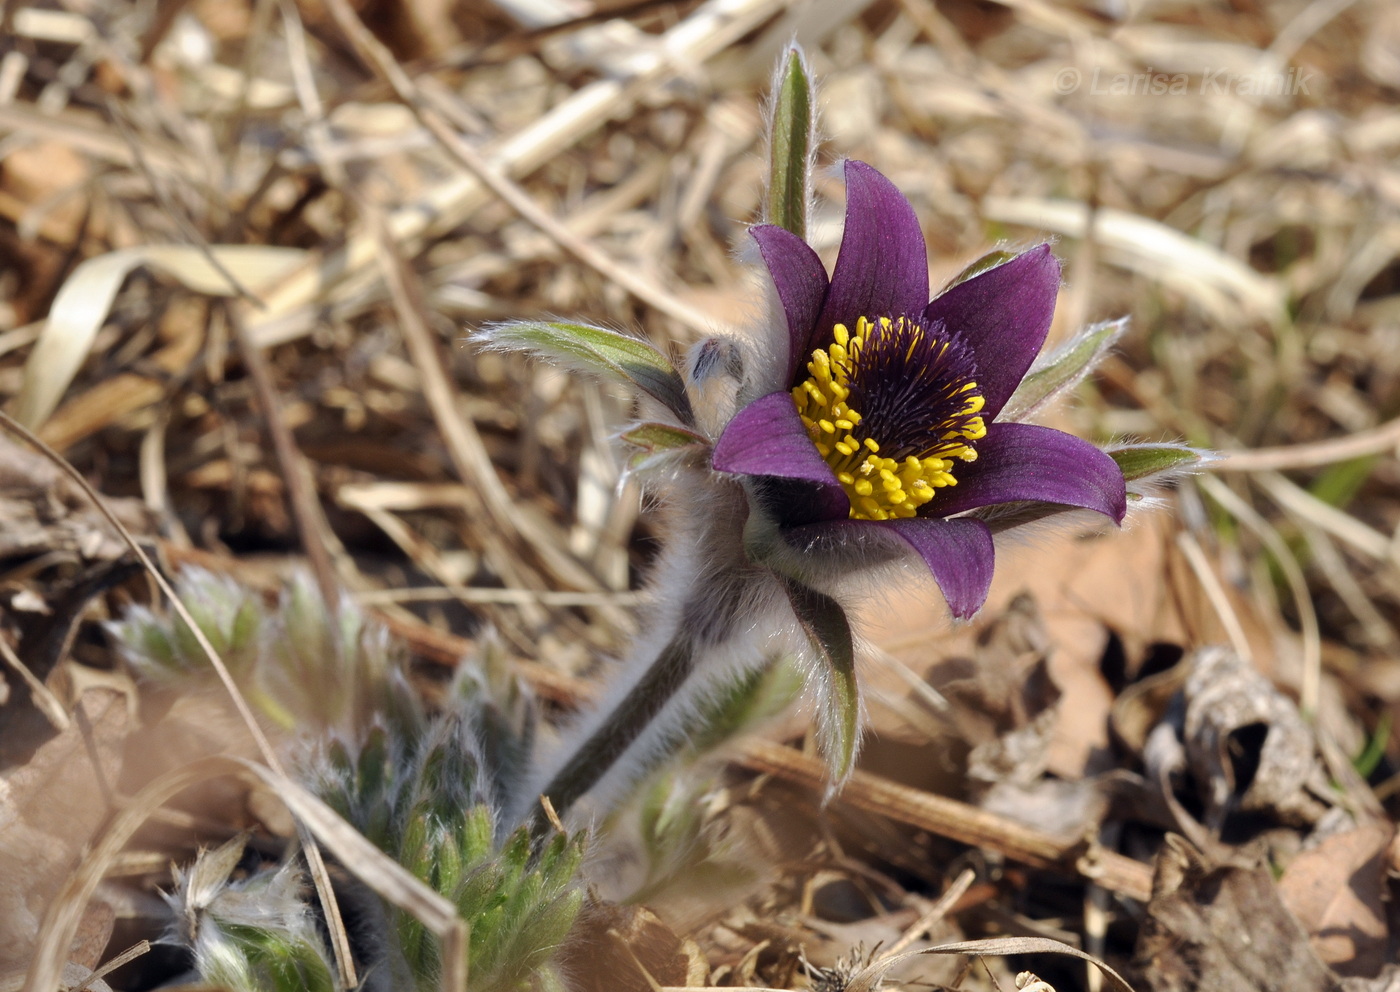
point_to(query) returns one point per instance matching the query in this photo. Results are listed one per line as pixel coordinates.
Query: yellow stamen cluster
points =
(879, 488)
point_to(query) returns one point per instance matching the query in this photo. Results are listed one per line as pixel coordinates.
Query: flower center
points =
(891, 407)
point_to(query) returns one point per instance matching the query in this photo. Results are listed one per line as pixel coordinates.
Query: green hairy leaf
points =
(599, 351)
(838, 695)
(988, 261)
(1063, 368)
(1140, 461)
(661, 446)
(791, 144)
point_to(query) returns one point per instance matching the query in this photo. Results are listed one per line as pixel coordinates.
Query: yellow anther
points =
(822, 402)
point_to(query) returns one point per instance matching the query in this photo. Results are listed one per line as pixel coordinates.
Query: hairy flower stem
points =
(628, 721)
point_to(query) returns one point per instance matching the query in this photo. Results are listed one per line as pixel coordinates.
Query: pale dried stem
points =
(1311, 687)
(1215, 593)
(955, 820)
(464, 445)
(133, 952)
(935, 913)
(1378, 440)
(311, 524)
(381, 873)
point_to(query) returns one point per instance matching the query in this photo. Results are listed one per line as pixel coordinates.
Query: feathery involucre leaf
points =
(427, 799)
(792, 144)
(1145, 462)
(597, 351)
(300, 663)
(1064, 368)
(253, 935)
(838, 694)
(163, 648)
(661, 446)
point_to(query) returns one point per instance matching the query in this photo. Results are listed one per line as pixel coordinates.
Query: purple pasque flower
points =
(886, 420)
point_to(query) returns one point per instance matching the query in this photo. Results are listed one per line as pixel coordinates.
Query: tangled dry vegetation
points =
(242, 244)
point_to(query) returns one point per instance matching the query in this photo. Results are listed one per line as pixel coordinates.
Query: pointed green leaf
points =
(988, 261)
(1139, 461)
(598, 351)
(838, 694)
(1063, 368)
(662, 446)
(652, 437)
(791, 143)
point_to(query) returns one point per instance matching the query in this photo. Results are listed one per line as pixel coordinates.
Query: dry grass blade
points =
(1376, 441)
(378, 58)
(1215, 591)
(130, 954)
(86, 297)
(1022, 945)
(1153, 249)
(1293, 574)
(934, 913)
(464, 444)
(1338, 523)
(47, 702)
(315, 533)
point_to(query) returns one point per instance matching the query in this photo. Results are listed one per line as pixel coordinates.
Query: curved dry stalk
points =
(870, 978)
(1376, 441)
(1215, 592)
(1237, 507)
(936, 912)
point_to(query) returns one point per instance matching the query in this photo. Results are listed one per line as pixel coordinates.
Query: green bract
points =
(792, 144)
(1063, 368)
(597, 351)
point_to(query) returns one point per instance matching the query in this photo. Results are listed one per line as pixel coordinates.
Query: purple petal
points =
(767, 438)
(882, 268)
(1003, 315)
(800, 278)
(959, 553)
(1029, 462)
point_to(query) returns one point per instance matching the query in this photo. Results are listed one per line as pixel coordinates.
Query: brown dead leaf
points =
(1337, 892)
(94, 933)
(623, 949)
(1246, 743)
(41, 188)
(42, 511)
(49, 810)
(1221, 928)
(1083, 588)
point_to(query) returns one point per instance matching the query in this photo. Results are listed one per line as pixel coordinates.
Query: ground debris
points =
(50, 808)
(1222, 928)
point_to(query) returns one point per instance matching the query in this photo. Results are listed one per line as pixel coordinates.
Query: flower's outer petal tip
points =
(1027, 462)
(882, 267)
(1003, 316)
(960, 555)
(800, 280)
(767, 438)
